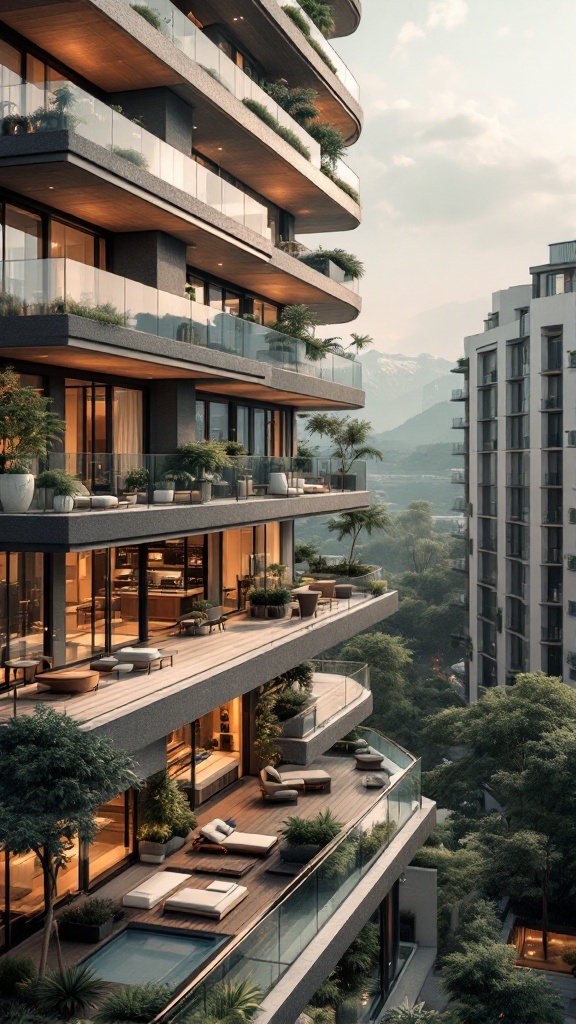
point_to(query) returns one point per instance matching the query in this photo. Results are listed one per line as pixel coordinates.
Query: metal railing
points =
(348, 680)
(270, 946)
(196, 45)
(91, 119)
(56, 286)
(150, 480)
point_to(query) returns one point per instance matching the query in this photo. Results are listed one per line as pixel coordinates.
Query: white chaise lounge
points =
(216, 901)
(147, 894)
(218, 835)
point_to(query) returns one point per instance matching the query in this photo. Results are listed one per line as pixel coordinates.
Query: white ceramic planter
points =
(155, 853)
(160, 497)
(131, 497)
(16, 491)
(63, 502)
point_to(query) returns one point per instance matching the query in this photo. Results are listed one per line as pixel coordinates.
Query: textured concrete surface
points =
(307, 749)
(49, 531)
(43, 332)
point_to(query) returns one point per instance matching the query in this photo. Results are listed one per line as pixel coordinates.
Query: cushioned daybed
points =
(218, 835)
(147, 894)
(216, 901)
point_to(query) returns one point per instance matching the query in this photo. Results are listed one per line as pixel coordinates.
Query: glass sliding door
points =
(114, 840)
(237, 567)
(124, 601)
(21, 603)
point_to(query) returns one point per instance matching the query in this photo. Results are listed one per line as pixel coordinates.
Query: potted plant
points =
(56, 482)
(28, 428)
(258, 598)
(278, 602)
(166, 819)
(200, 610)
(164, 489)
(65, 487)
(305, 837)
(89, 921)
(201, 459)
(136, 483)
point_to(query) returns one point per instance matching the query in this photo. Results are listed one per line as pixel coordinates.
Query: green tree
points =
(389, 659)
(54, 777)
(484, 987)
(362, 520)
(28, 427)
(349, 438)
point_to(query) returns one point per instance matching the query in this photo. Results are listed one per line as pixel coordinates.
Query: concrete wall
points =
(418, 893)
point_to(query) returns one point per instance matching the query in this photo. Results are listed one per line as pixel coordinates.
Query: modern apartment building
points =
(148, 223)
(519, 430)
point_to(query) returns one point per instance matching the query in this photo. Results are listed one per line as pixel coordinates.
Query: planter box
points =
(298, 854)
(156, 853)
(277, 611)
(300, 725)
(73, 931)
(258, 611)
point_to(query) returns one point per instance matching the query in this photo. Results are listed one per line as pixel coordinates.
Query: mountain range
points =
(400, 387)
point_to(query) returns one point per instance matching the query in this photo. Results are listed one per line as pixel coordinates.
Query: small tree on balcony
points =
(349, 438)
(54, 777)
(351, 525)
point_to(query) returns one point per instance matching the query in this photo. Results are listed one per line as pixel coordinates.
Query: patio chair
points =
(307, 602)
(218, 836)
(326, 588)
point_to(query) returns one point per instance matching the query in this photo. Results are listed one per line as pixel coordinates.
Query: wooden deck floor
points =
(197, 658)
(242, 802)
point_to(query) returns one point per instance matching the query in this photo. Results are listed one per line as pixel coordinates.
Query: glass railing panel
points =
(93, 120)
(347, 174)
(298, 920)
(141, 307)
(342, 72)
(174, 317)
(196, 45)
(31, 287)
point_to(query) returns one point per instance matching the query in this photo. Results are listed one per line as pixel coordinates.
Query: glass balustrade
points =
(56, 286)
(276, 941)
(342, 72)
(136, 480)
(184, 34)
(71, 108)
(335, 686)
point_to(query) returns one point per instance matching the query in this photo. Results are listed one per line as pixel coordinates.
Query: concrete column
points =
(172, 414)
(161, 112)
(57, 599)
(56, 390)
(287, 546)
(153, 258)
(214, 592)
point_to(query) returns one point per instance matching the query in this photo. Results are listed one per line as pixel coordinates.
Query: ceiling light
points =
(195, 127)
(50, 188)
(220, 264)
(219, 149)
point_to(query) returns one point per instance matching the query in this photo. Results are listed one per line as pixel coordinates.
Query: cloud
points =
(400, 160)
(461, 126)
(503, 32)
(408, 33)
(448, 14)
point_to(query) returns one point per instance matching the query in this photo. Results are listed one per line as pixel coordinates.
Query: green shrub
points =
(154, 833)
(285, 133)
(20, 1013)
(299, 20)
(69, 992)
(298, 102)
(15, 971)
(132, 155)
(165, 807)
(150, 14)
(278, 597)
(290, 703)
(330, 140)
(350, 264)
(320, 14)
(258, 596)
(137, 1004)
(93, 911)
(317, 831)
(348, 189)
(378, 587)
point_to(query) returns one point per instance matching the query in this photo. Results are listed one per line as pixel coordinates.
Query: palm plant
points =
(28, 427)
(349, 438)
(351, 524)
(69, 992)
(406, 1014)
(136, 1004)
(233, 1002)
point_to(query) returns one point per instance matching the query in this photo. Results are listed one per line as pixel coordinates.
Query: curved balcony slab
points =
(76, 342)
(119, 51)
(346, 15)
(87, 181)
(279, 46)
(341, 703)
(139, 524)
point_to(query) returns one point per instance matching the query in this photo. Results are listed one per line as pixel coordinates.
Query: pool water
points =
(137, 955)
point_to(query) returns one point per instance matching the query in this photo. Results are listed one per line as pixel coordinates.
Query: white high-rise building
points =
(519, 438)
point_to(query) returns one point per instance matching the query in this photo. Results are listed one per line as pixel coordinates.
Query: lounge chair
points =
(306, 779)
(150, 892)
(218, 836)
(216, 901)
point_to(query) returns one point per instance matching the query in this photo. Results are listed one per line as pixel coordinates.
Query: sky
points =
(467, 160)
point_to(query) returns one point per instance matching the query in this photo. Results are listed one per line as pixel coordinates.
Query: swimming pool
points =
(138, 955)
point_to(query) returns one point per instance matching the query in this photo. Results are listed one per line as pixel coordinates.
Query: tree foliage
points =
(361, 520)
(54, 777)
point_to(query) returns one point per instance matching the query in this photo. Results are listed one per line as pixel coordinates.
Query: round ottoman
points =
(103, 665)
(282, 796)
(368, 762)
(374, 781)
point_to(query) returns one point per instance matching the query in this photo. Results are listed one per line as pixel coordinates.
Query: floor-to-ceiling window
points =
(262, 430)
(114, 839)
(206, 756)
(102, 419)
(21, 604)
